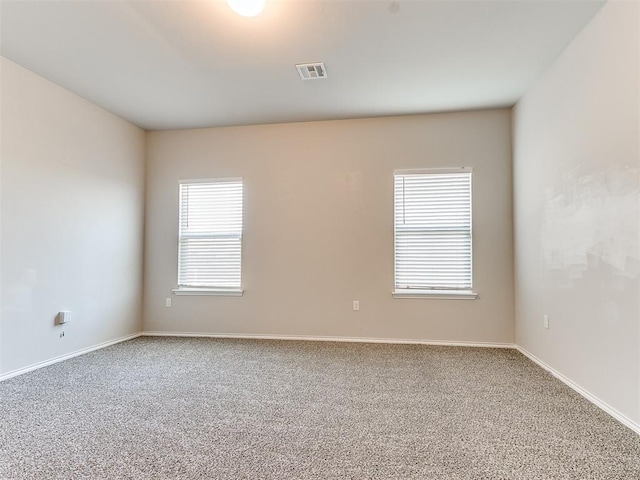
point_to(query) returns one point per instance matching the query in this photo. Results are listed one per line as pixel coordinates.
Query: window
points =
(210, 237)
(432, 233)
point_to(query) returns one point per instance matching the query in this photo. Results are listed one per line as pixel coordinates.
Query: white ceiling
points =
(183, 64)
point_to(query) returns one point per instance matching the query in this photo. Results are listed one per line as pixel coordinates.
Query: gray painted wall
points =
(577, 208)
(318, 217)
(72, 198)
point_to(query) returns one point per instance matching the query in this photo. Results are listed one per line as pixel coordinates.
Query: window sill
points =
(207, 291)
(436, 294)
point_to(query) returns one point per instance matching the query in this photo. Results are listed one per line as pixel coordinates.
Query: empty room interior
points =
(320, 239)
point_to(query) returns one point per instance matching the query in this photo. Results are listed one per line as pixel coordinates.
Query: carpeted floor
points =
(187, 408)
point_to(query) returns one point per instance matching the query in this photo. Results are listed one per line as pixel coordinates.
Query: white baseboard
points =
(589, 396)
(316, 338)
(61, 358)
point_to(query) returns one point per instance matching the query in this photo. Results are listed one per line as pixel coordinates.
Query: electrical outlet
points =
(356, 305)
(167, 302)
(545, 321)
(63, 317)
(61, 334)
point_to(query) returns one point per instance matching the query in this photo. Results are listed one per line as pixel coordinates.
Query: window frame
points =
(208, 290)
(433, 293)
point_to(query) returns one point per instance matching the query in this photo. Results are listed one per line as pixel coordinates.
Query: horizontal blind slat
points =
(210, 234)
(432, 224)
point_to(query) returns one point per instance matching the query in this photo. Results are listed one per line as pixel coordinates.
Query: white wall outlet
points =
(61, 334)
(167, 302)
(356, 305)
(63, 317)
(545, 321)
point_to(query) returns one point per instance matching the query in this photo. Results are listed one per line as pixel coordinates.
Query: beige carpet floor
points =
(187, 408)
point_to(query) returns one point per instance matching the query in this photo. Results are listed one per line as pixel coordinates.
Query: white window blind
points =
(433, 248)
(210, 234)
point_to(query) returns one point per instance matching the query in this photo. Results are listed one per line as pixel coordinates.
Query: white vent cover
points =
(311, 71)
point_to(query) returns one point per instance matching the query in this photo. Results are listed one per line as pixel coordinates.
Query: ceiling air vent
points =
(311, 71)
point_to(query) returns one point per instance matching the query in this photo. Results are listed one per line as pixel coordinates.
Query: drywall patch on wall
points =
(576, 167)
(590, 220)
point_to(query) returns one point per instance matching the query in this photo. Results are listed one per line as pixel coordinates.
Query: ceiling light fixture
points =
(247, 8)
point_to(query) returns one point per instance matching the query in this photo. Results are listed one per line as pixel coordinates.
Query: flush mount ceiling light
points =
(246, 8)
